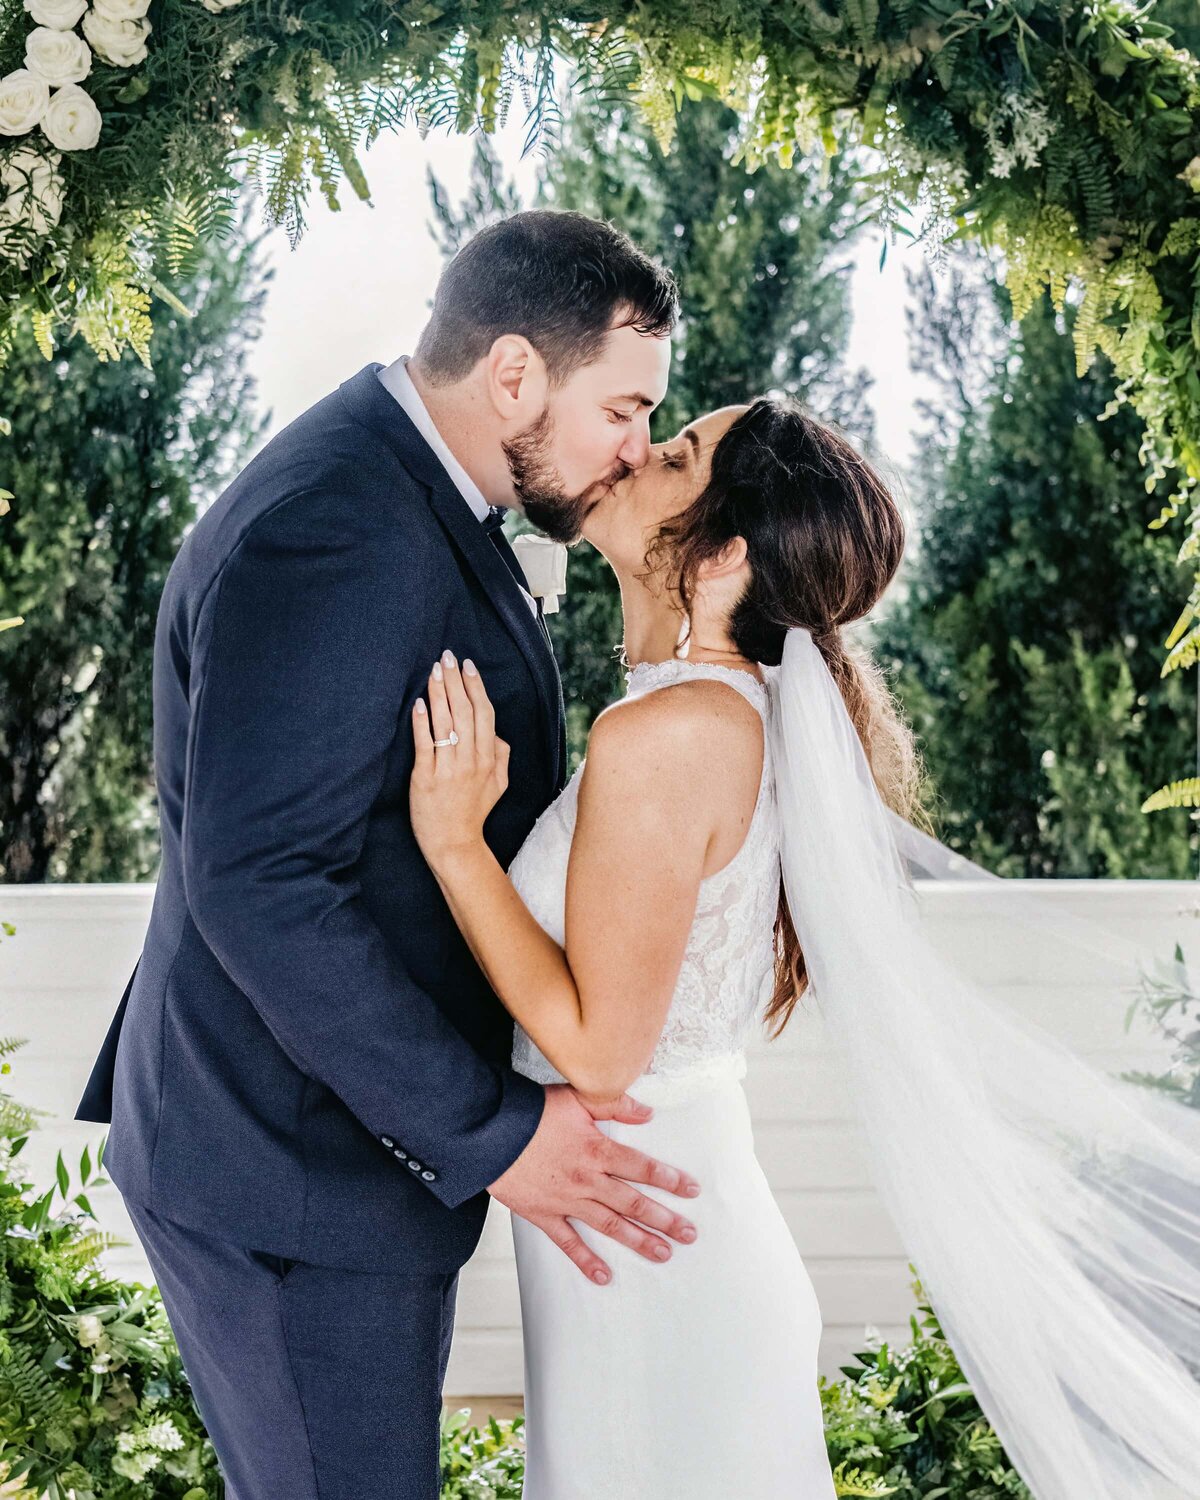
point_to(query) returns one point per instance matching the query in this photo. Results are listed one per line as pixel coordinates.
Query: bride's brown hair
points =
(824, 538)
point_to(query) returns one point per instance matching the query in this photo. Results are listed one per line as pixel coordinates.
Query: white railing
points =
(62, 975)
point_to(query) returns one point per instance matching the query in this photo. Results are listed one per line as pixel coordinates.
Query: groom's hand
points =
(571, 1169)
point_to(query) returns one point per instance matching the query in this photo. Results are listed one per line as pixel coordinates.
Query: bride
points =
(734, 841)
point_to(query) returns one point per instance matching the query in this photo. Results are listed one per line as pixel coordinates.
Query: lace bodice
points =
(727, 966)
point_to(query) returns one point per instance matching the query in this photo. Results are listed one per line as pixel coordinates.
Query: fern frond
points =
(42, 324)
(1184, 793)
(1183, 654)
(18, 1119)
(859, 1482)
(34, 1391)
(83, 1251)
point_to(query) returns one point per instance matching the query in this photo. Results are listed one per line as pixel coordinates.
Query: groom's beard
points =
(539, 487)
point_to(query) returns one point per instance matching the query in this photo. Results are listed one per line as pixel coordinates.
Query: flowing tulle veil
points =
(1051, 1210)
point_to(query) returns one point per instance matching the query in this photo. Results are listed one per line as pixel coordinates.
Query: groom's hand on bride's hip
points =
(571, 1169)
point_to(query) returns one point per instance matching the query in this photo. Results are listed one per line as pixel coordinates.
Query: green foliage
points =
(1026, 646)
(94, 1402)
(963, 100)
(110, 462)
(482, 1463)
(906, 1423)
(1084, 707)
(1169, 1000)
(762, 261)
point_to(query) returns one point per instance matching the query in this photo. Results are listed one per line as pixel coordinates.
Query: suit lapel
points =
(376, 408)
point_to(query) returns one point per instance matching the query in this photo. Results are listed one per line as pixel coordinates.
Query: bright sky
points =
(357, 287)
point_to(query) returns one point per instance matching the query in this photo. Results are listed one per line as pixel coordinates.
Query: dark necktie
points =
(493, 524)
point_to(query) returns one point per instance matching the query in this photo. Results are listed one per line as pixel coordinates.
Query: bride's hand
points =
(455, 786)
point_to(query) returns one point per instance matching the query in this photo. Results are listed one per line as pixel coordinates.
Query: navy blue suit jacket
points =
(307, 1058)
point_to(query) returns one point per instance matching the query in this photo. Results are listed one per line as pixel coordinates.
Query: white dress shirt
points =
(396, 380)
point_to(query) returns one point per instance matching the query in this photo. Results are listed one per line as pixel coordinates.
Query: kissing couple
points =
(400, 963)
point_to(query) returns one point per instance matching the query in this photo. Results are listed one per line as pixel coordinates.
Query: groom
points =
(308, 1076)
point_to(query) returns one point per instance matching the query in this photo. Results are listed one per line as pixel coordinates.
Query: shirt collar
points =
(396, 380)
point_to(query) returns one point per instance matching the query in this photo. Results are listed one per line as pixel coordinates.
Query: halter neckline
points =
(648, 674)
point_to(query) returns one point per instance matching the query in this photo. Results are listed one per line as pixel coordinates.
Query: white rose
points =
(57, 56)
(60, 14)
(23, 100)
(121, 43)
(32, 189)
(217, 6)
(121, 10)
(72, 121)
(544, 564)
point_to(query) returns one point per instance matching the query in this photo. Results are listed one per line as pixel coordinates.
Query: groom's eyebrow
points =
(638, 398)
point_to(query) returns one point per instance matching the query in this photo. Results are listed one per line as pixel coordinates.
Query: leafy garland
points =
(1064, 132)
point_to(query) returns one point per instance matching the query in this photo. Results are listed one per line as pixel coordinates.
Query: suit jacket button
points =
(428, 1176)
(387, 1141)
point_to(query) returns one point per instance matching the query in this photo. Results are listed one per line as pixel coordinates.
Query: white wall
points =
(62, 975)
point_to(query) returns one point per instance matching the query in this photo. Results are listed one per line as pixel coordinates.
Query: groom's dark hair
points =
(558, 278)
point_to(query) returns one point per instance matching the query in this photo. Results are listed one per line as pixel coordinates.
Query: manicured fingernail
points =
(688, 1234)
(469, 667)
(421, 705)
(601, 1277)
(448, 659)
(661, 1252)
(437, 671)
(692, 1189)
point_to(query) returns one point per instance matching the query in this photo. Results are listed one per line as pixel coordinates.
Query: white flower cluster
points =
(1031, 128)
(58, 59)
(46, 93)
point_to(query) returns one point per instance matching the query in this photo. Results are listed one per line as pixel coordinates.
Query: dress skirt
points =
(689, 1379)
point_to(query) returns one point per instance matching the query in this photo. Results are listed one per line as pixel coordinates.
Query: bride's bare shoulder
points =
(700, 726)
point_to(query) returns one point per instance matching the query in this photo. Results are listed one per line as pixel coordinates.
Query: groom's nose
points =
(635, 450)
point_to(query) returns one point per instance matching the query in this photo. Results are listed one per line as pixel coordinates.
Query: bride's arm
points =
(643, 828)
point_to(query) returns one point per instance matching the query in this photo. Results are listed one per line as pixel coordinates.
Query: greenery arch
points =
(1064, 132)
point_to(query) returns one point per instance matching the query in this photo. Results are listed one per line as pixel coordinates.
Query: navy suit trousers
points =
(314, 1383)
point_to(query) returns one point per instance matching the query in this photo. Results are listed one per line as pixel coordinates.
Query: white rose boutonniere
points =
(121, 43)
(72, 121)
(62, 15)
(544, 564)
(57, 56)
(23, 100)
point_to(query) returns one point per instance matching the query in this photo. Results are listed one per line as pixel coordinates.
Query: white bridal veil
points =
(1052, 1210)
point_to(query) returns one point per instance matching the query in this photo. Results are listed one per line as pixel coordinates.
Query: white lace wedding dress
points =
(695, 1378)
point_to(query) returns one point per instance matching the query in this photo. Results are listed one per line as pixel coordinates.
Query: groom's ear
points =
(516, 377)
